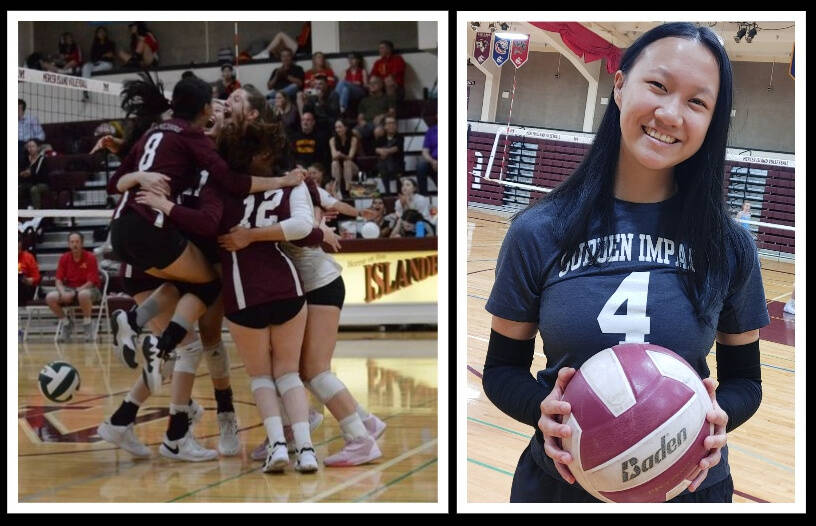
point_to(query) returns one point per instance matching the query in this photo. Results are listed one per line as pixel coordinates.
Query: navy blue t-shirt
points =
(636, 294)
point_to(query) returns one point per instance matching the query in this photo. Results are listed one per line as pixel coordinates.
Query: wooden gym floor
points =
(61, 459)
(762, 469)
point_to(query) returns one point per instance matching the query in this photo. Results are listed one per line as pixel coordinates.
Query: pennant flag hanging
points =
(519, 51)
(481, 51)
(501, 50)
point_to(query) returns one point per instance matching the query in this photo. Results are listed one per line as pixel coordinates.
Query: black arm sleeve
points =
(507, 380)
(740, 377)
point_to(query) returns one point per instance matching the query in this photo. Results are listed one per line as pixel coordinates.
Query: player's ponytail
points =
(142, 100)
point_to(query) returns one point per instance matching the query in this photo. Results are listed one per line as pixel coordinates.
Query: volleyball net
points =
(510, 167)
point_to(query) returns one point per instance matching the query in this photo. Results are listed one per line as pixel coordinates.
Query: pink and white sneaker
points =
(374, 425)
(357, 451)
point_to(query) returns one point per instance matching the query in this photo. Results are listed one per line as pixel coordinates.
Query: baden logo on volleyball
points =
(58, 381)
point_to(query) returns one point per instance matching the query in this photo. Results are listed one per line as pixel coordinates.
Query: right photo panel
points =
(631, 260)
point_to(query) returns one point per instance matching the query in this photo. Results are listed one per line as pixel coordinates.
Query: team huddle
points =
(214, 223)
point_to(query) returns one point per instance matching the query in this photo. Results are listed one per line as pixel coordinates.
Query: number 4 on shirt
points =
(633, 291)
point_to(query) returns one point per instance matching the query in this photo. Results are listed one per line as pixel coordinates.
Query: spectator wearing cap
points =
(77, 282)
(428, 166)
(28, 273)
(28, 127)
(288, 77)
(390, 68)
(227, 83)
(353, 85)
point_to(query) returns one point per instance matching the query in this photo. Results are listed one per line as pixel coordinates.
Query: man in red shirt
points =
(27, 271)
(77, 282)
(391, 68)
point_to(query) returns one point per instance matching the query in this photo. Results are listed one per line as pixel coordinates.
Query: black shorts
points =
(208, 247)
(266, 314)
(533, 484)
(143, 245)
(142, 283)
(332, 294)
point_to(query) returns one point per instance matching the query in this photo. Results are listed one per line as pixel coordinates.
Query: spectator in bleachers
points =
(744, 215)
(384, 221)
(283, 41)
(319, 67)
(285, 111)
(68, 60)
(227, 83)
(28, 127)
(187, 74)
(287, 78)
(406, 225)
(409, 199)
(321, 105)
(144, 47)
(309, 145)
(33, 181)
(28, 273)
(374, 108)
(428, 166)
(77, 283)
(390, 65)
(344, 146)
(390, 149)
(103, 53)
(353, 86)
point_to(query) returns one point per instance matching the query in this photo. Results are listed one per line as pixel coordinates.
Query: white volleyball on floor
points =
(58, 381)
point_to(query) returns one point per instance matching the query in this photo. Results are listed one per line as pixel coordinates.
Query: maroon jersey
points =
(261, 272)
(175, 149)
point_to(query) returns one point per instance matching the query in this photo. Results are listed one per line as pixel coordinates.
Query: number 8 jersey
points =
(635, 293)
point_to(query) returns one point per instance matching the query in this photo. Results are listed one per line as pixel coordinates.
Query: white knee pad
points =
(287, 382)
(189, 357)
(259, 382)
(217, 361)
(325, 385)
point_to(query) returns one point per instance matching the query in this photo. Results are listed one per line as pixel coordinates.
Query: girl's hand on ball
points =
(553, 412)
(713, 442)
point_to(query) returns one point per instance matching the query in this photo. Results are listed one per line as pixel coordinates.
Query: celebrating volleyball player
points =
(325, 293)
(580, 266)
(183, 411)
(178, 149)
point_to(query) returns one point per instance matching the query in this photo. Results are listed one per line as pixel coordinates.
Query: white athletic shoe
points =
(123, 437)
(315, 419)
(151, 372)
(357, 451)
(228, 443)
(124, 339)
(66, 330)
(374, 425)
(306, 460)
(277, 458)
(790, 307)
(186, 448)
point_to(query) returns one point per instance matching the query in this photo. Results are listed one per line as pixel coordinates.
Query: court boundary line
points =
(378, 468)
(398, 479)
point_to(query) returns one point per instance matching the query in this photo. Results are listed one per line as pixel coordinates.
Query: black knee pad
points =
(206, 292)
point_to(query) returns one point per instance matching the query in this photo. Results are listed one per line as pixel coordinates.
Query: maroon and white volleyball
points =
(638, 419)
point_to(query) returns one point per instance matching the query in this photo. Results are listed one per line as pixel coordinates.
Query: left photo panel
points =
(232, 261)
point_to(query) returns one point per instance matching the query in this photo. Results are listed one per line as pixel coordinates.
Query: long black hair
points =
(144, 101)
(704, 224)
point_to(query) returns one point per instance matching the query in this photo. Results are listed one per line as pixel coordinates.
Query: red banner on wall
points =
(519, 50)
(481, 50)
